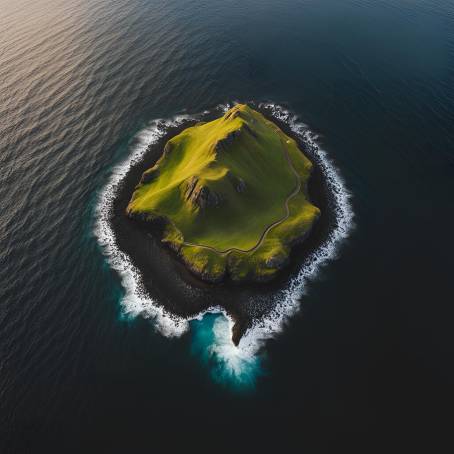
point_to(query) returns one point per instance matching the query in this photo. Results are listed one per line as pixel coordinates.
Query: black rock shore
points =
(167, 280)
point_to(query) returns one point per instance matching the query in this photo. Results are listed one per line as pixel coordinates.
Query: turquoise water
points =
(234, 367)
(358, 349)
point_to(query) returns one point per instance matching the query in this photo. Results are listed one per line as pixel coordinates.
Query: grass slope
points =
(220, 185)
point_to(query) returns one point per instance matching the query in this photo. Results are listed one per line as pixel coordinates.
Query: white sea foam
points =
(287, 301)
(228, 364)
(136, 300)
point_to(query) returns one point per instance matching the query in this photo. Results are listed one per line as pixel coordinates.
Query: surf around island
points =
(160, 286)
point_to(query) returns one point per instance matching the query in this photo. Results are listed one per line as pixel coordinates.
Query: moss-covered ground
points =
(234, 193)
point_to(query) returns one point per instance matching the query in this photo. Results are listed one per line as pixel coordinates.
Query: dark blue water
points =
(368, 358)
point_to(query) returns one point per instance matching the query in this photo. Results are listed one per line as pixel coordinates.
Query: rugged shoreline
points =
(168, 280)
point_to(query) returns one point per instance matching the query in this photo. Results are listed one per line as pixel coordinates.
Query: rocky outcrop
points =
(237, 182)
(201, 196)
(149, 176)
(204, 197)
(191, 184)
(223, 145)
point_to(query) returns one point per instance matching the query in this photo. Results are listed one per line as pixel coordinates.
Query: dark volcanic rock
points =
(190, 187)
(200, 195)
(223, 144)
(149, 176)
(237, 182)
(205, 197)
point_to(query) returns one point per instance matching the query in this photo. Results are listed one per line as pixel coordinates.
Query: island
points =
(231, 195)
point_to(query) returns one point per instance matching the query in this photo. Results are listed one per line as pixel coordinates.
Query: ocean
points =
(358, 349)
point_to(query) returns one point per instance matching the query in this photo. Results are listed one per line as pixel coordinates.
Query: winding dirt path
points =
(271, 226)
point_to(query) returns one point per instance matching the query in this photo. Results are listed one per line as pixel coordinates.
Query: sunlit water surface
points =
(358, 348)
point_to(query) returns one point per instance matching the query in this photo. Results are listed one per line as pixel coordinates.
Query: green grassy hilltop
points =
(234, 194)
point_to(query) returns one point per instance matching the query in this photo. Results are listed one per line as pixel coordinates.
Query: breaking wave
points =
(228, 364)
(287, 300)
(212, 328)
(135, 300)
